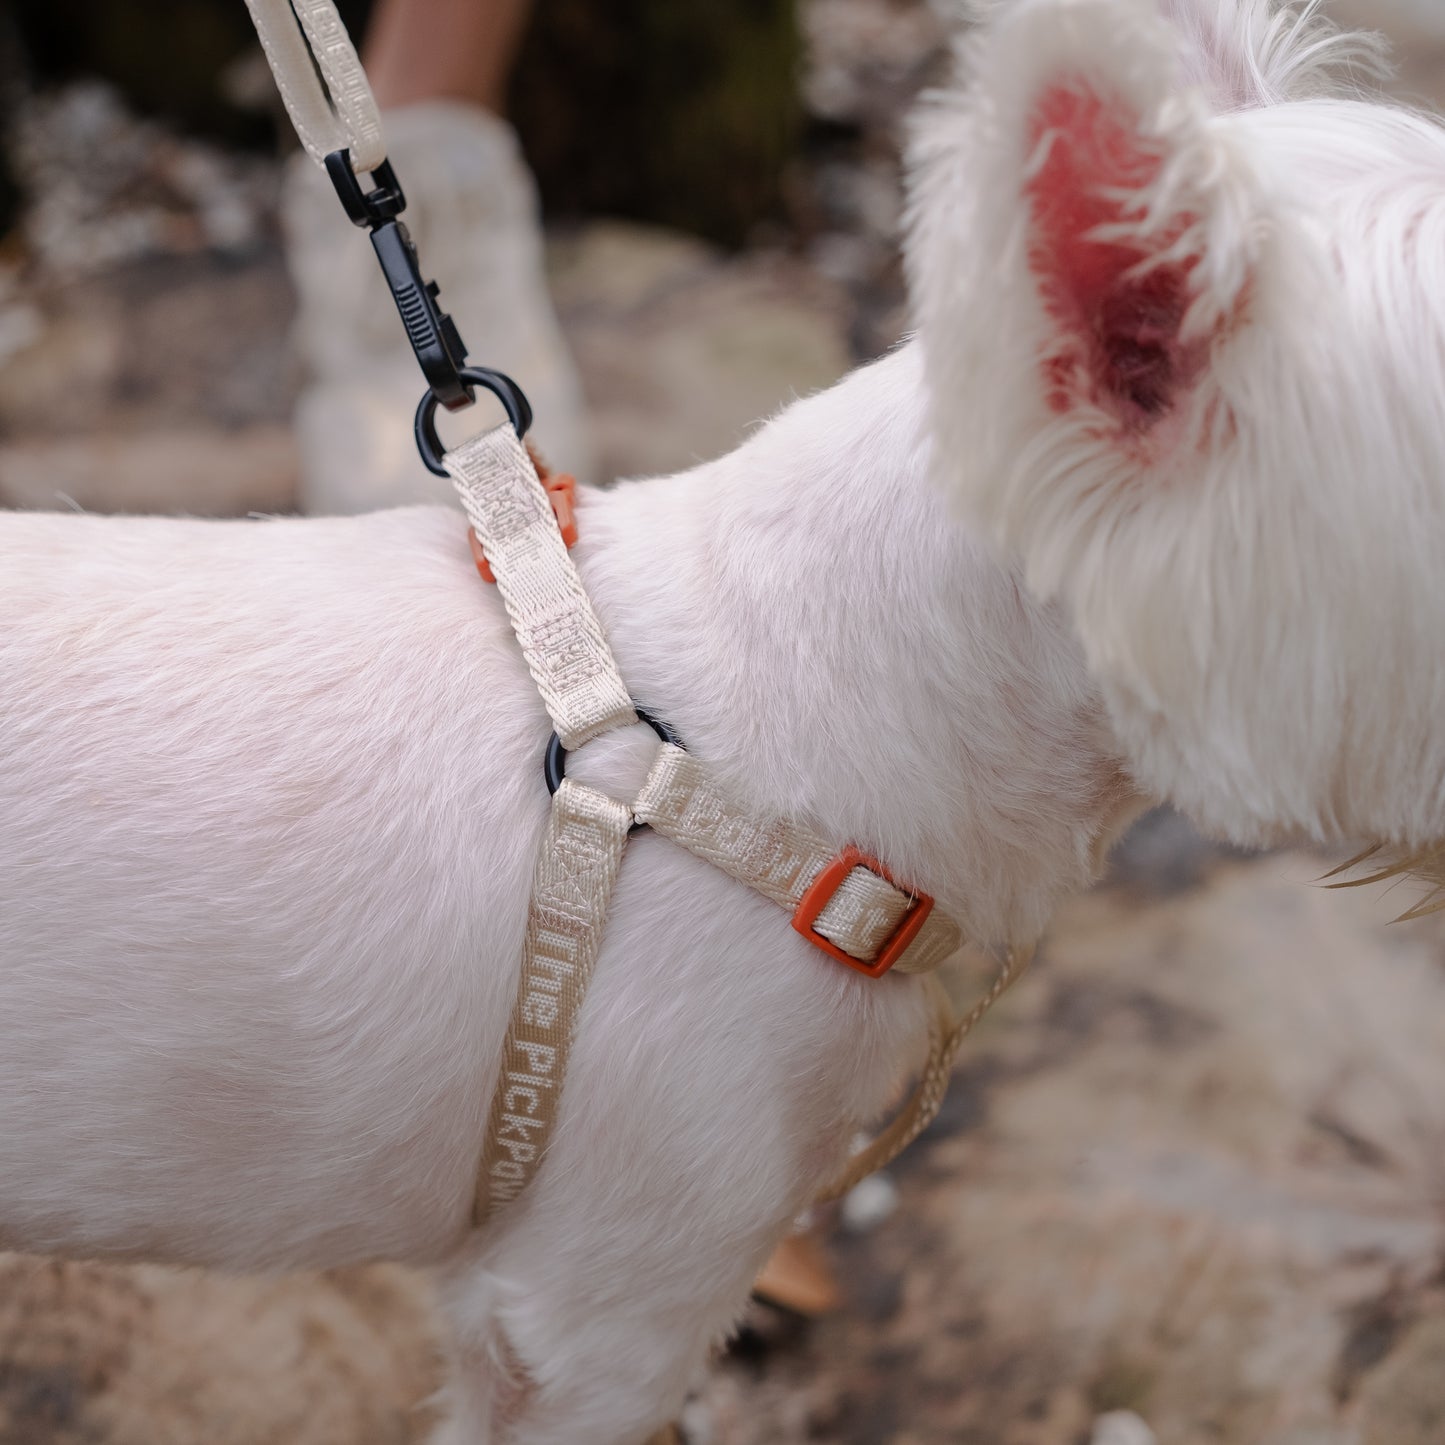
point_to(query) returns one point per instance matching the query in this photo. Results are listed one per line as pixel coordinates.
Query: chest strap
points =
(850, 906)
(842, 902)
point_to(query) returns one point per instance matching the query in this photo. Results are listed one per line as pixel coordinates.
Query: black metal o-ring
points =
(554, 766)
(513, 399)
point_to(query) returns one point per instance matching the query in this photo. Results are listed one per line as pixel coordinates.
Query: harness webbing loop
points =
(559, 633)
(342, 114)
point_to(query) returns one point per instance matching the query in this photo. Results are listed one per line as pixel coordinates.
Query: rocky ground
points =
(1189, 1186)
(1191, 1173)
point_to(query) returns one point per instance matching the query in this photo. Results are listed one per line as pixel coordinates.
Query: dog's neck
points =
(809, 618)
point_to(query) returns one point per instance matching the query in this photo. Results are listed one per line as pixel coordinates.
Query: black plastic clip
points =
(433, 334)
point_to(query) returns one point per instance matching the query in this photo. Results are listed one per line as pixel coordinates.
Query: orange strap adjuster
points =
(821, 891)
(562, 493)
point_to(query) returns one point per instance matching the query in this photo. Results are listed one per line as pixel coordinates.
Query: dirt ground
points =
(1192, 1171)
(1189, 1186)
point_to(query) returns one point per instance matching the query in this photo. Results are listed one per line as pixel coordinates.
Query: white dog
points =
(271, 791)
(1212, 321)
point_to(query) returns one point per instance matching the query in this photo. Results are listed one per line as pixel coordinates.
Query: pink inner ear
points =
(1118, 341)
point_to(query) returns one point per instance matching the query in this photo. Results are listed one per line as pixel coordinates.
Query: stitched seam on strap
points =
(552, 616)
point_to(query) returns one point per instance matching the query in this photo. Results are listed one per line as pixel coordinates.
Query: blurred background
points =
(721, 185)
(1189, 1186)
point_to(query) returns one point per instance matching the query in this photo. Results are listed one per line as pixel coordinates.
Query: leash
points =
(330, 103)
(843, 902)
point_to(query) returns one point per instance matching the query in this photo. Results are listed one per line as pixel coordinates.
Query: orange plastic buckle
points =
(826, 884)
(562, 493)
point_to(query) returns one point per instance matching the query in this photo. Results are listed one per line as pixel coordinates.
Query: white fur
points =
(269, 801)
(270, 791)
(1258, 580)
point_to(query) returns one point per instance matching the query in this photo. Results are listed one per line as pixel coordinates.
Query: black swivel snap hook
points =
(440, 350)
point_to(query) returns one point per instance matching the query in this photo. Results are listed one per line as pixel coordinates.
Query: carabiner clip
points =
(440, 350)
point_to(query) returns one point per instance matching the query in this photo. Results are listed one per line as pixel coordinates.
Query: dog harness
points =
(843, 902)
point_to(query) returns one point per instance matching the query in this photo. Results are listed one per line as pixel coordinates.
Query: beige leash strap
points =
(781, 861)
(342, 114)
(559, 633)
(571, 888)
(945, 1039)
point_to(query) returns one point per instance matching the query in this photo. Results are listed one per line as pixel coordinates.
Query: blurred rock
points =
(21, 326)
(865, 63)
(697, 1424)
(97, 1355)
(1163, 854)
(166, 386)
(1197, 1179)
(866, 60)
(205, 473)
(869, 1203)
(1121, 1427)
(683, 351)
(1410, 24)
(102, 186)
(1404, 1403)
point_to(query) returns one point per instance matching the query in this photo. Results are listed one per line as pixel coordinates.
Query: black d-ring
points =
(514, 402)
(554, 765)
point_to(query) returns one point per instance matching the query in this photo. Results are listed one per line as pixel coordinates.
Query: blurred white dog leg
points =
(472, 210)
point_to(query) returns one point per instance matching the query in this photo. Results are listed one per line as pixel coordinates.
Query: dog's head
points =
(1182, 299)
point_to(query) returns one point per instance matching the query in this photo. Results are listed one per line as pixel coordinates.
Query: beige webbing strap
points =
(559, 633)
(571, 887)
(945, 1038)
(342, 115)
(577, 676)
(781, 860)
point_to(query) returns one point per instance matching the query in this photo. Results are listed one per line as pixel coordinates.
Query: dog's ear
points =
(1185, 356)
(1084, 234)
(1137, 357)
